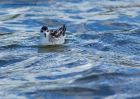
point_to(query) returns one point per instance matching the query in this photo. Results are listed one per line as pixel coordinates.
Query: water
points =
(100, 59)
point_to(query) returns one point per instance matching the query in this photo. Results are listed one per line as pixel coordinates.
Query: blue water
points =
(99, 60)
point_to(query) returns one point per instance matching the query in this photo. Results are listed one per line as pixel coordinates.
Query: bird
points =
(52, 36)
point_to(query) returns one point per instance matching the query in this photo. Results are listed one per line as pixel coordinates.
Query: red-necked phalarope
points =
(52, 37)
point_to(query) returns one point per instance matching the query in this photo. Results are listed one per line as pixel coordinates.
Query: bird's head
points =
(44, 30)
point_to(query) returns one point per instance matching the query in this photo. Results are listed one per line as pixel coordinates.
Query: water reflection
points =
(52, 48)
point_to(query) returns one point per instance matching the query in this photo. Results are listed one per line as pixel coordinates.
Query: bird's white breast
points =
(49, 40)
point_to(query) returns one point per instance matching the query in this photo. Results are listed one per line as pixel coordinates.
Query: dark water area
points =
(99, 60)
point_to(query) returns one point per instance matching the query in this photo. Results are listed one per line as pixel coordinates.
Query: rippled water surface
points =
(100, 58)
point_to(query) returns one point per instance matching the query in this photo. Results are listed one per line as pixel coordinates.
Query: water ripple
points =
(100, 58)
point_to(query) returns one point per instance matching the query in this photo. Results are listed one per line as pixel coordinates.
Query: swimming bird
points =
(53, 36)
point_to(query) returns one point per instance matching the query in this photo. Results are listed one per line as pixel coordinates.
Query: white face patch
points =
(47, 32)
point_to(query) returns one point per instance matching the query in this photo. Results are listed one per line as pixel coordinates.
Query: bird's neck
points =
(44, 39)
